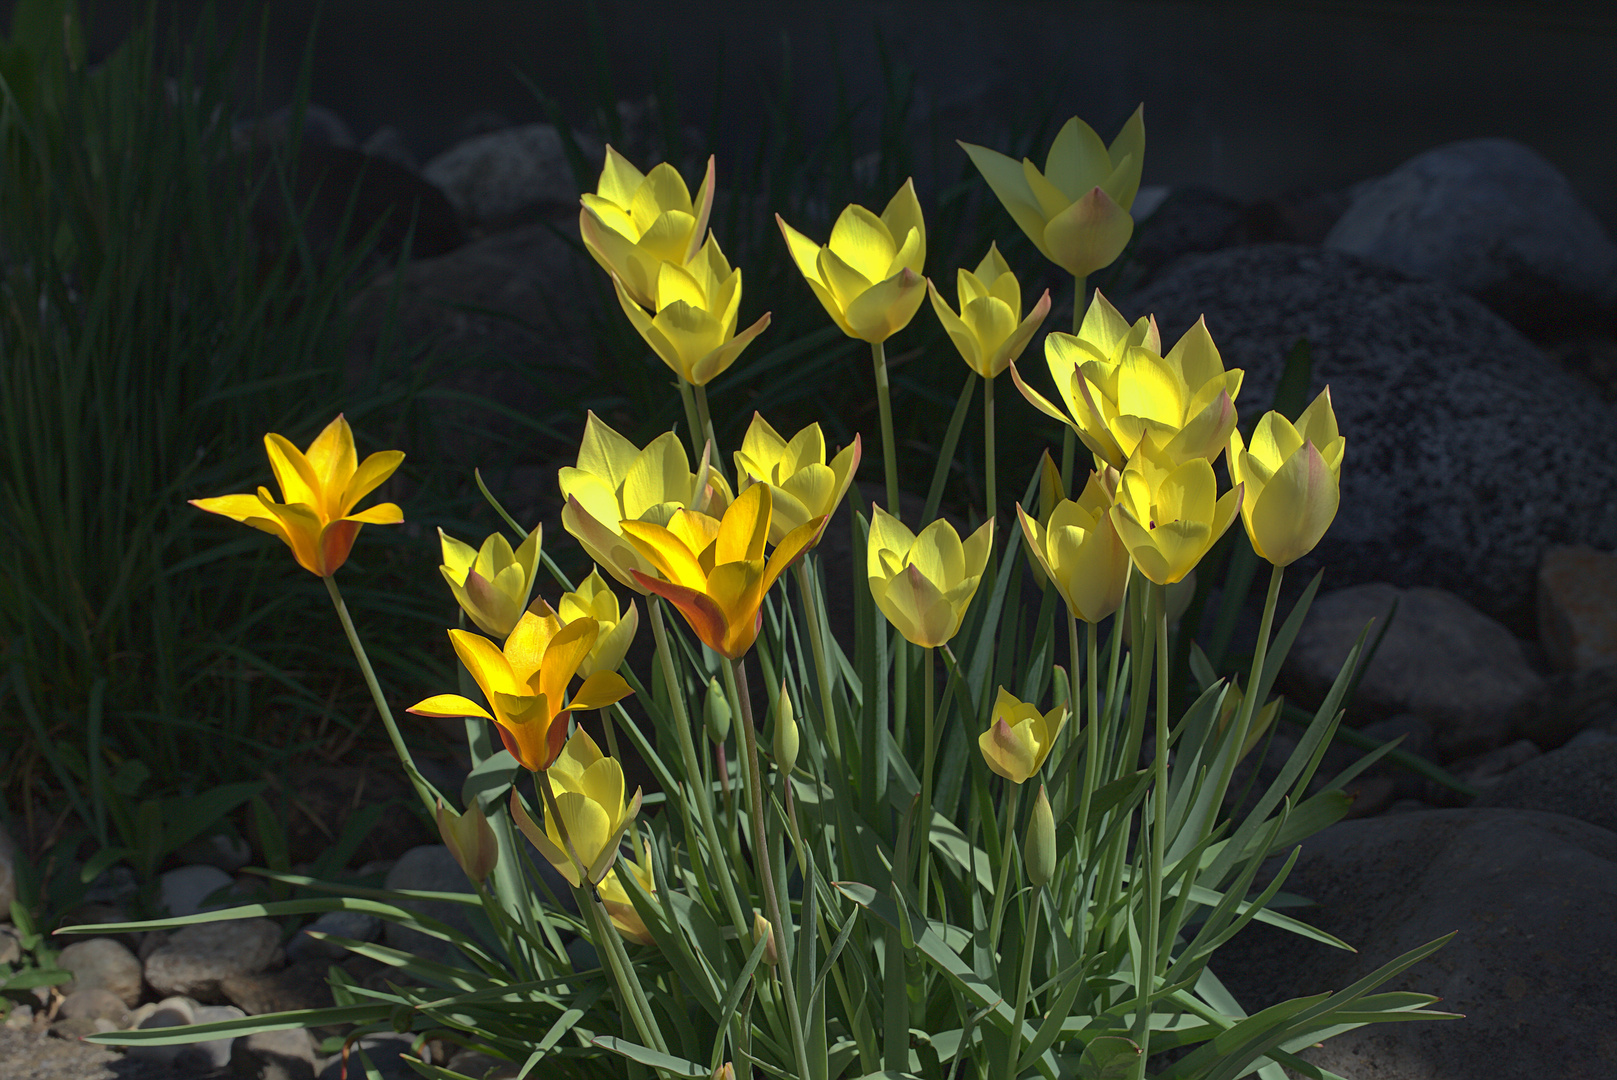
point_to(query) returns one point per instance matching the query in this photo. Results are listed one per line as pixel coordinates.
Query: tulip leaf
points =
(668, 1063)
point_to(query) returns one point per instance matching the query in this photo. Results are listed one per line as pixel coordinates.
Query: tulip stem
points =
(811, 608)
(692, 419)
(766, 873)
(610, 732)
(878, 358)
(1156, 610)
(929, 676)
(1023, 984)
(988, 446)
(715, 460)
(1069, 440)
(428, 794)
(1091, 733)
(1009, 803)
(1237, 731)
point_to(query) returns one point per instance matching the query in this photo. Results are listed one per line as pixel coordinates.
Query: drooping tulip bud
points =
(716, 712)
(762, 930)
(470, 840)
(1040, 851)
(786, 737)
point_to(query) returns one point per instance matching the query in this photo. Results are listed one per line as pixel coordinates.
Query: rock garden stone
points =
(185, 889)
(297, 986)
(321, 127)
(198, 959)
(10, 945)
(1571, 703)
(94, 1003)
(8, 875)
(206, 1057)
(354, 925)
(1577, 781)
(385, 1051)
(1530, 895)
(1577, 607)
(1441, 659)
(501, 176)
(228, 853)
(1468, 452)
(102, 963)
(388, 143)
(274, 1055)
(1495, 219)
(430, 868)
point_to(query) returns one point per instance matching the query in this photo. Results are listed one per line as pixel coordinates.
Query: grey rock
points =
(210, 1056)
(8, 875)
(20, 1018)
(1441, 660)
(429, 868)
(1590, 737)
(321, 127)
(499, 176)
(94, 1003)
(382, 1051)
(354, 925)
(170, 1012)
(105, 964)
(1577, 781)
(197, 959)
(297, 986)
(1483, 771)
(227, 853)
(388, 142)
(1571, 702)
(1468, 454)
(1495, 219)
(274, 1055)
(1530, 895)
(10, 945)
(185, 889)
(116, 885)
(75, 1027)
(1577, 607)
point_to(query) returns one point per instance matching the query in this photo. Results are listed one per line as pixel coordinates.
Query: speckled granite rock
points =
(1578, 781)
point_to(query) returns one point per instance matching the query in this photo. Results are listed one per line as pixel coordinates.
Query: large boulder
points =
(1530, 895)
(1468, 452)
(1495, 219)
(502, 176)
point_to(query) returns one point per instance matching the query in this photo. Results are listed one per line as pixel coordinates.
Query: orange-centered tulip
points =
(321, 488)
(714, 570)
(526, 684)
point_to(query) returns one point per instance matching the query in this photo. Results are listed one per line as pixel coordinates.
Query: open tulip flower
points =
(868, 275)
(1077, 548)
(922, 583)
(1169, 515)
(594, 599)
(1076, 211)
(1120, 392)
(615, 898)
(714, 570)
(491, 584)
(525, 684)
(634, 222)
(321, 488)
(1291, 475)
(1019, 737)
(615, 481)
(987, 331)
(589, 795)
(694, 326)
(801, 485)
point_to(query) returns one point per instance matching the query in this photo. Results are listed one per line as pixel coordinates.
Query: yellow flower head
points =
(470, 840)
(321, 488)
(693, 329)
(589, 797)
(635, 222)
(1292, 475)
(615, 898)
(615, 481)
(595, 599)
(802, 486)
(1076, 211)
(923, 583)
(868, 275)
(713, 569)
(526, 684)
(491, 584)
(1120, 392)
(1078, 550)
(986, 331)
(1019, 737)
(1169, 515)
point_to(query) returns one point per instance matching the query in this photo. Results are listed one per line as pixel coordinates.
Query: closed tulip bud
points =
(922, 583)
(1040, 850)
(493, 583)
(727, 1071)
(470, 840)
(716, 712)
(763, 931)
(1292, 475)
(987, 331)
(1019, 737)
(785, 733)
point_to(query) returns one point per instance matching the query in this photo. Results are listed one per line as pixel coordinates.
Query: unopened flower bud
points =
(786, 737)
(1040, 852)
(716, 712)
(727, 1071)
(763, 931)
(470, 840)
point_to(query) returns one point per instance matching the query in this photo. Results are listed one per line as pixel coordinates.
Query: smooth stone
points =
(429, 868)
(297, 986)
(10, 945)
(354, 925)
(94, 1003)
(197, 959)
(227, 853)
(1468, 452)
(102, 963)
(1577, 607)
(501, 175)
(20, 1018)
(274, 1055)
(207, 1057)
(1572, 703)
(1577, 781)
(169, 1012)
(388, 142)
(185, 889)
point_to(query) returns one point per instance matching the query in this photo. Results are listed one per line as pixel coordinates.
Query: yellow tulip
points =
(491, 584)
(321, 488)
(615, 898)
(922, 583)
(1079, 551)
(1051, 493)
(1292, 475)
(1019, 737)
(801, 485)
(615, 481)
(694, 326)
(1076, 211)
(1169, 515)
(470, 840)
(526, 684)
(714, 570)
(986, 331)
(589, 797)
(868, 275)
(1121, 392)
(594, 599)
(635, 222)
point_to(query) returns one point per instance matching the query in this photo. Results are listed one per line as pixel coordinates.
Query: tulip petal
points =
(703, 615)
(371, 474)
(1127, 153)
(661, 473)
(1078, 160)
(1089, 234)
(805, 252)
(1295, 509)
(448, 705)
(886, 307)
(863, 244)
(745, 527)
(901, 215)
(598, 691)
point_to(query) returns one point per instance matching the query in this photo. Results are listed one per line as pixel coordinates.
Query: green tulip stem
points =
(878, 358)
(610, 732)
(426, 792)
(988, 446)
(1024, 983)
(693, 769)
(693, 419)
(610, 945)
(763, 854)
(997, 920)
(716, 461)
(1156, 610)
(1080, 285)
(928, 752)
(811, 608)
(1249, 703)
(1091, 733)
(1069, 438)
